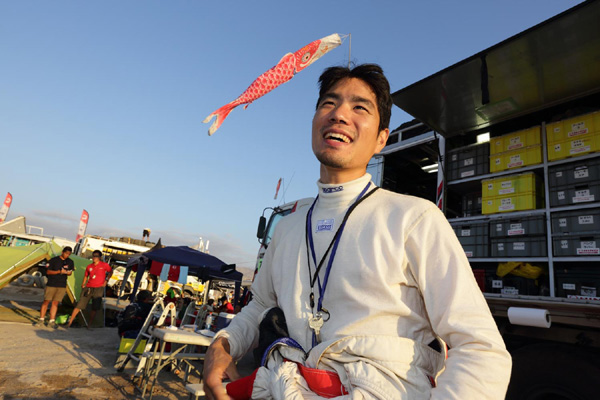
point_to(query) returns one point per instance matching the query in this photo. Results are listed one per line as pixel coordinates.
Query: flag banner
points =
(286, 68)
(82, 225)
(164, 274)
(5, 207)
(277, 190)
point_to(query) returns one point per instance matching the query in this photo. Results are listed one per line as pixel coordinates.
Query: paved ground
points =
(43, 363)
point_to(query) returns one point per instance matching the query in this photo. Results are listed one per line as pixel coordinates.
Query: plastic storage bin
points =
(568, 245)
(580, 126)
(468, 161)
(576, 221)
(506, 185)
(574, 194)
(516, 158)
(474, 238)
(521, 226)
(524, 246)
(516, 140)
(575, 173)
(471, 204)
(579, 283)
(574, 147)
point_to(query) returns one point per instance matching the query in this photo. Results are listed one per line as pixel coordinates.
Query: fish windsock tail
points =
(221, 114)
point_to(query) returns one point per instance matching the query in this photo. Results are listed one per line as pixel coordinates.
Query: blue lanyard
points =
(332, 246)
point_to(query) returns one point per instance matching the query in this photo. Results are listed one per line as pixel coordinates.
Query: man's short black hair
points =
(372, 75)
(97, 253)
(67, 248)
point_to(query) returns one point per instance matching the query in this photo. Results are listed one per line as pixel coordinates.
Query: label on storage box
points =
(588, 248)
(557, 148)
(497, 284)
(498, 161)
(465, 232)
(519, 246)
(506, 188)
(469, 253)
(578, 146)
(500, 246)
(515, 161)
(561, 195)
(571, 296)
(467, 173)
(569, 286)
(509, 290)
(562, 222)
(498, 227)
(581, 173)
(588, 291)
(515, 143)
(516, 229)
(564, 244)
(506, 204)
(468, 161)
(558, 174)
(577, 129)
(490, 186)
(454, 156)
(586, 219)
(582, 196)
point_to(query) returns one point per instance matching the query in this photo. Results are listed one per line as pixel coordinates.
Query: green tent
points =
(16, 260)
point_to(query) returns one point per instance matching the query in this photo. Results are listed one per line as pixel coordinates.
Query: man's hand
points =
(218, 365)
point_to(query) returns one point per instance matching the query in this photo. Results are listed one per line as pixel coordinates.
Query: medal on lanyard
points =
(317, 320)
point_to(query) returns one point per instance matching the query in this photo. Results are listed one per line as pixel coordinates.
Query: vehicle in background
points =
(266, 227)
(510, 152)
(110, 248)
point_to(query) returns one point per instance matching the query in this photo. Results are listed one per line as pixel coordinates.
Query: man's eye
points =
(361, 108)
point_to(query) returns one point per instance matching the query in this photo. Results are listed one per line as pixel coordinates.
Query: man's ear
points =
(382, 138)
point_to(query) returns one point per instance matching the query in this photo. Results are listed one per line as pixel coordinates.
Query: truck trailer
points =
(507, 144)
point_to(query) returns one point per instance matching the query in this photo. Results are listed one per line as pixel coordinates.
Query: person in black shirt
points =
(59, 269)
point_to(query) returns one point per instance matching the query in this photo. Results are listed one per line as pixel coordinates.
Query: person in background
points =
(133, 317)
(226, 305)
(95, 279)
(59, 269)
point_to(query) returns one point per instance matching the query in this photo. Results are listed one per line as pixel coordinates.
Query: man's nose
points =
(339, 114)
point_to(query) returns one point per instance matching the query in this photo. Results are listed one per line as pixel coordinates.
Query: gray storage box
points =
(468, 161)
(473, 237)
(568, 245)
(583, 283)
(524, 246)
(585, 220)
(574, 173)
(522, 226)
(567, 195)
(471, 204)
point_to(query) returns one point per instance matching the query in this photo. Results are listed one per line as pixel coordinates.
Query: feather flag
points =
(286, 68)
(5, 207)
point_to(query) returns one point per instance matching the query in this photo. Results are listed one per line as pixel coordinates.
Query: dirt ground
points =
(76, 363)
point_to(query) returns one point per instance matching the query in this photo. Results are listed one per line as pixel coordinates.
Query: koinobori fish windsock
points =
(286, 68)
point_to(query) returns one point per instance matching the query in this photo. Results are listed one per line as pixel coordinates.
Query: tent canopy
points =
(16, 260)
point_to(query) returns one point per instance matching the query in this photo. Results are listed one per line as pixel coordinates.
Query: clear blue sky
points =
(101, 103)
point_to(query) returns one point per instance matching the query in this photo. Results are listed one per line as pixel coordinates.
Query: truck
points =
(507, 144)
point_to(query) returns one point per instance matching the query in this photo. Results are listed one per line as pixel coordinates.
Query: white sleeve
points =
(478, 365)
(242, 332)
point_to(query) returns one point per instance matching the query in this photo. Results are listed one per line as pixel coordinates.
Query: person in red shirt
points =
(226, 305)
(96, 276)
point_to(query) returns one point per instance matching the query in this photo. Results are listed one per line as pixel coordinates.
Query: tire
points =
(554, 372)
(37, 274)
(26, 280)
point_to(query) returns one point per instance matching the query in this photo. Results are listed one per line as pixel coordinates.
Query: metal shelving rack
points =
(547, 211)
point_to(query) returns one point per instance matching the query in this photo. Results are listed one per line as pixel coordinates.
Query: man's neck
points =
(338, 176)
(96, 262)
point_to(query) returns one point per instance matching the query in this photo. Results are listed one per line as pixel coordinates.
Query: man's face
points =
(345, 128)
(66, 254)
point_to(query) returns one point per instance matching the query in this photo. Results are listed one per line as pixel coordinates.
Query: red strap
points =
(324, 383)
(242, 388)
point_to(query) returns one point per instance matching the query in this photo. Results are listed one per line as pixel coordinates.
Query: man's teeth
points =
(338, 136)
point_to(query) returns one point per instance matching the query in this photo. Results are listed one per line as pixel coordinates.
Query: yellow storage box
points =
(508, 185)
(516, 202)
(569, 129)
(516, 158)
(574, 147)
(516, 140)
(126, 344)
